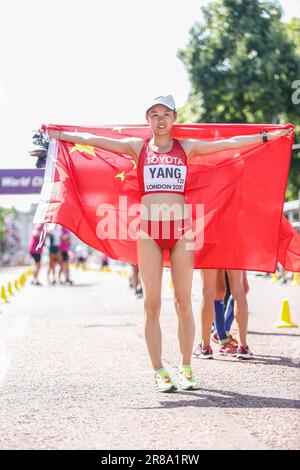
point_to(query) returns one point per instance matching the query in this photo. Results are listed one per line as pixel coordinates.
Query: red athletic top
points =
(162, 172)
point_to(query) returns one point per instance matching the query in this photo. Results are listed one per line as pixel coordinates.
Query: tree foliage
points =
(242, 61)
(4, 212)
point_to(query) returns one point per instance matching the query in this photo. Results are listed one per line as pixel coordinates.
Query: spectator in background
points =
(65, 243)
(54, 253)
(35, 252)
(81, 252)
(282, 273)
(135, 281)
(104, 259)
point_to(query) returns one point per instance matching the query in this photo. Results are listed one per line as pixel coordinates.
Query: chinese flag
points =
(95, 194)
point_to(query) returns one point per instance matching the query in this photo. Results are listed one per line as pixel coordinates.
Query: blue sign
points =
(19, 181)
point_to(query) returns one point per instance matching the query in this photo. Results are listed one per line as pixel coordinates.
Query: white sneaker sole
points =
(244, 356)
(227, 354)
(201, 356)
(190, 388)
(168, 390)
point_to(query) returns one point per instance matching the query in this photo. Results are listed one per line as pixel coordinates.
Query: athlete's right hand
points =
(53, 134)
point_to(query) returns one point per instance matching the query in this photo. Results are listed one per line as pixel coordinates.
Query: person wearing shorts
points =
(54, 254)
(36, 252)
(65, 243)
(214, 279)
(135, 281)
(165, 225)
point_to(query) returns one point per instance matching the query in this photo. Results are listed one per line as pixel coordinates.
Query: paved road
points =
(74, 373)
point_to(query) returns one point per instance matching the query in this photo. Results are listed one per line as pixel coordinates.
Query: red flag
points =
(95, 194)
(289, 247)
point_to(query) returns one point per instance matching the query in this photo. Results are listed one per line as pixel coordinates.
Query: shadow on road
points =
(264, 360)
(271, 334)
(225, 400)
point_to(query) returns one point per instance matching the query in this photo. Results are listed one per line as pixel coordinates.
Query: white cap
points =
(167, 101)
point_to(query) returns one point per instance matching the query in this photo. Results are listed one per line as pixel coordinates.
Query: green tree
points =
(241, 63)
(293, 33)
(4, 212)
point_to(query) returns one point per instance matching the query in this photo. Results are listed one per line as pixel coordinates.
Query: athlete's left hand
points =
(288, 133)
(53, 134)
(280, 133)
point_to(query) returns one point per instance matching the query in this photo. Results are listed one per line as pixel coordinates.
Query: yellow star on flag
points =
(121, 176)
(83, 148)
(134, 164)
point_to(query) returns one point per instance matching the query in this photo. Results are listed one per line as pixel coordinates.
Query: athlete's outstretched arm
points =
(198, 147)
(129, 145)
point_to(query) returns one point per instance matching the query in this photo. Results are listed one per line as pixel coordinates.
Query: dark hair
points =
(174, 110)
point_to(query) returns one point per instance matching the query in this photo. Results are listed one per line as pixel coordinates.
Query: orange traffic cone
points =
(285, 316)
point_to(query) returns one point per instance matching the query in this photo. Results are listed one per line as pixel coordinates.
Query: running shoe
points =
(187, 380)
(243, 352)
(233, 341)
(227, 349)
(214, 337)
(164, 383)
(200, 353)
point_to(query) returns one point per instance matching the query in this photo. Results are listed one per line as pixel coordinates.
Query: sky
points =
(88, 62)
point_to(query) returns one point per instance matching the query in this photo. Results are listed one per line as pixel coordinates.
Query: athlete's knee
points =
(238, 294)
(220, 293)
(208, 294)
(183, 306)
(152, 308)
(220, 288)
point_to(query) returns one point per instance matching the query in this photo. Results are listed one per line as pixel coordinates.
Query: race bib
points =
(164, 178)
